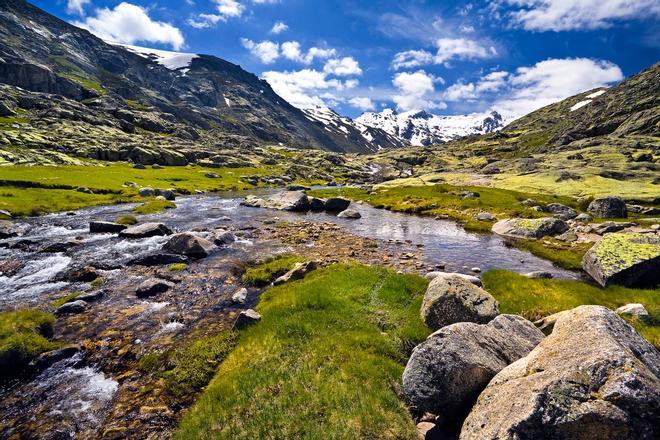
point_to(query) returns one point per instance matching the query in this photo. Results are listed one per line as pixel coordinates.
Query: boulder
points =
(254, 202)
(350, 214)
(158, 259)
(635, 309)
(45, 360)
(486, 217)
(539, 274)
(152, 287)
(145, 230)
(246, 318)
(471, 278)
(533, 228)
(316, 204)
(295, 201)
(62, 246)
(629, 259)
(453, 299)
(85, 274)
(105, 227)
(608, 227)
(71, 308)
(594, 377)
(446, 373)
(147, 192)
(190, 245)
(583, 218)
(337, 204)
(7, 230)
(608, 207)
(561, 211)
(222, 237)
(240, 296)
(299, 271)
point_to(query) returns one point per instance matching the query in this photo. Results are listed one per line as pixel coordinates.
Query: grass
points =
(154, 206)
(177, 267)
(324, 362)
(127, 220)
(566, 255)
(65, 299)
(536, 298)
(445, 200)
(23, 336)
(264, 273)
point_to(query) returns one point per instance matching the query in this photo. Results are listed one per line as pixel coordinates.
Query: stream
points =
(75, 397)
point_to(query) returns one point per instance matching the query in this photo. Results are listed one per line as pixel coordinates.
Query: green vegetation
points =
(536, 298)
(65, 299)
(87, 83)
(97, 282)
(269, 270)
(449, 201)
(127, 220)
(324, 362)
(186, 370)
(566, 255)
(23, 336)
(136, 105)
(177, 267)
(154, 206)
(37, 201)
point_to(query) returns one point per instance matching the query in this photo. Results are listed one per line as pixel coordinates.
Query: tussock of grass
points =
(23, 336)
(264, 273)
(324, 362)
(65, 299)
(568, 256)
(536, 298)
(154, 206)
(127, 220)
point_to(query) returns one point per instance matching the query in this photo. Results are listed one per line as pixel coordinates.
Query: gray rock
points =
(84, 189)
(569, 236)
(608, 207)
(349, 213)
(145, 230)
(634, 309)
(539, 274)
(246, 318)
(609, 227)
(446, 373)
(47, 359)
(486, 217)
(561, 211)
(168, 194)
(105, 227)
(158, 259)
(583, 218)
(7, 230)
(91, 296)
(471, 278)
(629, 259)
(594, 377)
(316, 204)
(152, 287)
(453, 299)
(190, 245)
(71, 308)
(223, 238)
(240, 296)
(289, 201)
(530, 228)
(147, 192)
(299, 271)
(337, 204)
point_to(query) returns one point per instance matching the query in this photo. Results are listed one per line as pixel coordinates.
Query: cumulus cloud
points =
(307, 88)
(129, 24)
(346, 66)
(278, 28)
(447, 49)
(229, 8)
(76, 6)
(562, 15)
(292, 51)
(204, 21)
(416, 91)
(225, 9)
(267, 51)
(362, 103)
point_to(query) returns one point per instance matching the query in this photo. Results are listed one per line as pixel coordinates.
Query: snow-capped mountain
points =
(369, 138)
(424, 128)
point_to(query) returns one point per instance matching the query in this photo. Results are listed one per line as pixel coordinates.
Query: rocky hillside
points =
(134, 89)
(423, 128)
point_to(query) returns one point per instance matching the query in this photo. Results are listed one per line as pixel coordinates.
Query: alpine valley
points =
(184, 254)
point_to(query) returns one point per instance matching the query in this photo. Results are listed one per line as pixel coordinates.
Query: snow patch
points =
(580, 104)
(595, 94)
(171, 60)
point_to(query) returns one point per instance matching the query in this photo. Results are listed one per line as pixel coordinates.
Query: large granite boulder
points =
(530, 228)
(104, 227)
(446, 373)
(471, 278)
(152, 286)
(454, 299)
(561, 211)
(629, 259)
(350, 214)
(289, 201)
(608, 207)
(145, 230)
(594, 377)
(190, 245)
(299, 271)
(337, 204)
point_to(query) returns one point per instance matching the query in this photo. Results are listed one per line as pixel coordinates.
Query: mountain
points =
(423, 128)
(358, 134)
(132, 88)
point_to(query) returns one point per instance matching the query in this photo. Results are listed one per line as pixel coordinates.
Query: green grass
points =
(65, 299)
(37, 201)
(154, 206)
(177, 267)
(127, 220)
(536, 298)
(264, 273)
(568, 256)
(325, 362)
(23, 336)
(445, 200)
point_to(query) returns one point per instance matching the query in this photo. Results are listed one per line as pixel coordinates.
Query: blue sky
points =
(449, 57)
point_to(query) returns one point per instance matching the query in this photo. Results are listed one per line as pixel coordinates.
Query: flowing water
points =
(77, 393)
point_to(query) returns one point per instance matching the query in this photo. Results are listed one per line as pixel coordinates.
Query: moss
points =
(177, 267)
(154, 206)
(98, 282)
(269, 270)
(23, 336)
(616, 252)
(68, 298)
(565, 255)
(127, 220)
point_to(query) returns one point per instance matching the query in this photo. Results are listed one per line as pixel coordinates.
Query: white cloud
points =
(346, 66)
(229, 8)
(129, 24)
(204, 21)
(447, 49)
(467, 91)
(362, 103)
(279, 27)
(267, 51)
(416, 91)
(76, 6)
(292, 51)
(562, 15)
(307, 88)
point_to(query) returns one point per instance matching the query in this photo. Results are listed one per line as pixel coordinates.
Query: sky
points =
(447, 57)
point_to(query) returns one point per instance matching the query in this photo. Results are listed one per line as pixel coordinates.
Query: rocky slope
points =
(132, 89)
(423, 128)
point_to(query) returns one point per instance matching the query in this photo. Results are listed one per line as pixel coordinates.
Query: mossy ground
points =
(565, 255)
(536, 298)
(65, 299)
(154, 206)
(262, 274)
(127, 220)
(23, 336)
(324, 362)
